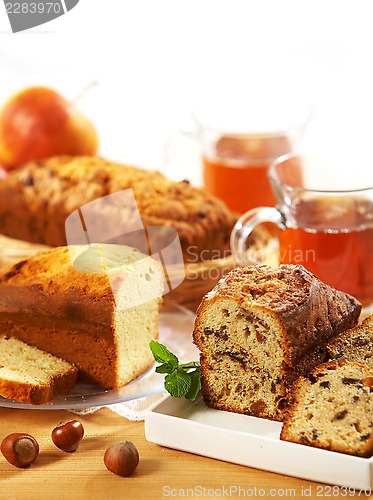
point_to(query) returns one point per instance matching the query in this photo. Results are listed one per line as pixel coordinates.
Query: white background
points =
(153, 58)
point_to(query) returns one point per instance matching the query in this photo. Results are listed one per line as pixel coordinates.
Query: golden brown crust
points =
(46, 303)
(36, 200)
(310, 311)
(39, 394)
(259, 329)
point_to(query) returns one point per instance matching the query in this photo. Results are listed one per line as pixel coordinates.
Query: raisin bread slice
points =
(355, 344)
(30, 375)
(333, 409)
(259, 329)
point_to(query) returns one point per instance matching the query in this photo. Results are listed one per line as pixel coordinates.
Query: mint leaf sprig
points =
(182, 380)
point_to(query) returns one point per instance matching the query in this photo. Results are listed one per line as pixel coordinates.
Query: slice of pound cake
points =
(95, 306)
(333, 409)
(259, 329)
(30, 375)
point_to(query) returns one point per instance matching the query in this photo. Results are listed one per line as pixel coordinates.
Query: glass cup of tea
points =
(238, 139)
(235, 166)
(325, 215)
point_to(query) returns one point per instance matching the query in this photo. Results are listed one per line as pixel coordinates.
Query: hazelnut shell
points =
(67, 436)
(20, 449)
(121, 458)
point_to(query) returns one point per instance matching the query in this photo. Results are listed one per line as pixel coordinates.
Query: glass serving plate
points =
(175, 331)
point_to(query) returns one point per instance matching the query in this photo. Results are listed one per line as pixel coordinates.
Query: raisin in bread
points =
(30, 375)
(95, 306)
(36, 200)
(356, 344)
(333, 409)
(259, 329)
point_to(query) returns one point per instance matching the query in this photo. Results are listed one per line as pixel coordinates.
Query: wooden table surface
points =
(161, 473)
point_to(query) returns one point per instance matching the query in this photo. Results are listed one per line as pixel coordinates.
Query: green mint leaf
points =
(165, 368)
(195, 386)
(162, 355)
(181, 380)
(178, 383)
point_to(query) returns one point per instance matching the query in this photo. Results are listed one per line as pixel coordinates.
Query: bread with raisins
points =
(259, 329)
(355, 344)
(36, 200)
(333, 409)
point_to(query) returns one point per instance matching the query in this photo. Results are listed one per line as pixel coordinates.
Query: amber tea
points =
(333, 238)
(324, 211)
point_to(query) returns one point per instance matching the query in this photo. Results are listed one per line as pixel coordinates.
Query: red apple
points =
(38, 123)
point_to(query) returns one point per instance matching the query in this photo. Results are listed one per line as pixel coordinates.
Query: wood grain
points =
(161, 473)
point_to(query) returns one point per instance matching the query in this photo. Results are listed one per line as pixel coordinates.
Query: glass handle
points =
(245, 226)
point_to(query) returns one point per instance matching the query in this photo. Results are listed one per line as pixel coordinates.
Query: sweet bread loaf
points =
(259, 329)
(356, 344)
(94, 306)
(36, 200)
(333, 409)
(30, 375)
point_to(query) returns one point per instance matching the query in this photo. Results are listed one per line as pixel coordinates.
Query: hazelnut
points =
(67, 436)
(20, 449)
(121, 458)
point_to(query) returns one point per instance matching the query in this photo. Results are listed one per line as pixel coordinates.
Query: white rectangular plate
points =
(192, 426)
